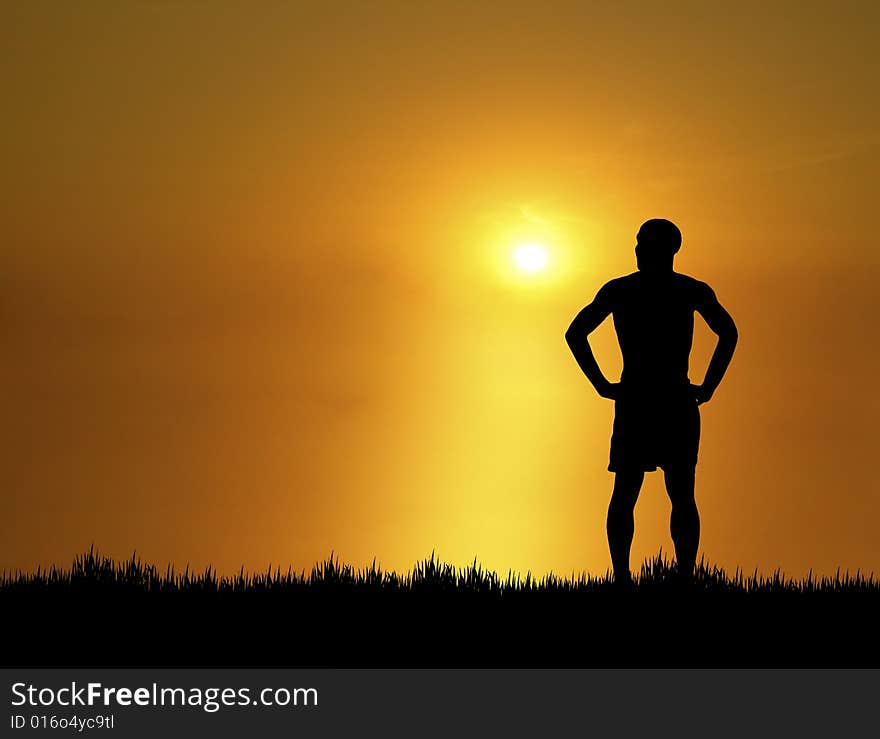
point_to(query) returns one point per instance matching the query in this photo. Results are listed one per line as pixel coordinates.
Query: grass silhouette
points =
(92, 570)
(113, 613)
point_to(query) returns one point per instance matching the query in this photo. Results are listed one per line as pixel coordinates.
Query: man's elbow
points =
(730, 335)
(573, 337)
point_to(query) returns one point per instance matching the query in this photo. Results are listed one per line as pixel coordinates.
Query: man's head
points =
(657, 242)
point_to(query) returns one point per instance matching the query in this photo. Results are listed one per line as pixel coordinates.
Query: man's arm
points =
(584, 323)
(720, 321)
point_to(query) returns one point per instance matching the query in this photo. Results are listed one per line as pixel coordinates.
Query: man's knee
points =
(626, 491)
(680, 487)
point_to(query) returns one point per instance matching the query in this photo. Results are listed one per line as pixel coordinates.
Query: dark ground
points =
(101, 613)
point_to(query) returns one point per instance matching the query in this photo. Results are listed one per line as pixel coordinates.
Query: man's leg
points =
(621, 525)
(684, 523)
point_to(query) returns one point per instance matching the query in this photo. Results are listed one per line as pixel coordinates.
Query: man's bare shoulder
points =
(699, 289)
(612, 292)
(618, 283)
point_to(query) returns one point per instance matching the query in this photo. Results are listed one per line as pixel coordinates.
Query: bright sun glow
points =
(530, 257)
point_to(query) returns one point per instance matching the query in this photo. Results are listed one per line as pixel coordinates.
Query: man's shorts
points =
(651, 430)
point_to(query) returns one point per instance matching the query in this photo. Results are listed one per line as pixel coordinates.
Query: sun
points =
(530, 258)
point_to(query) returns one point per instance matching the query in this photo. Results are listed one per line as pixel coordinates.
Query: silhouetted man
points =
(656, 419)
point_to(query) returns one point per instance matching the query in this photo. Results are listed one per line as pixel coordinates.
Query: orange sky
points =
(256, 296)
